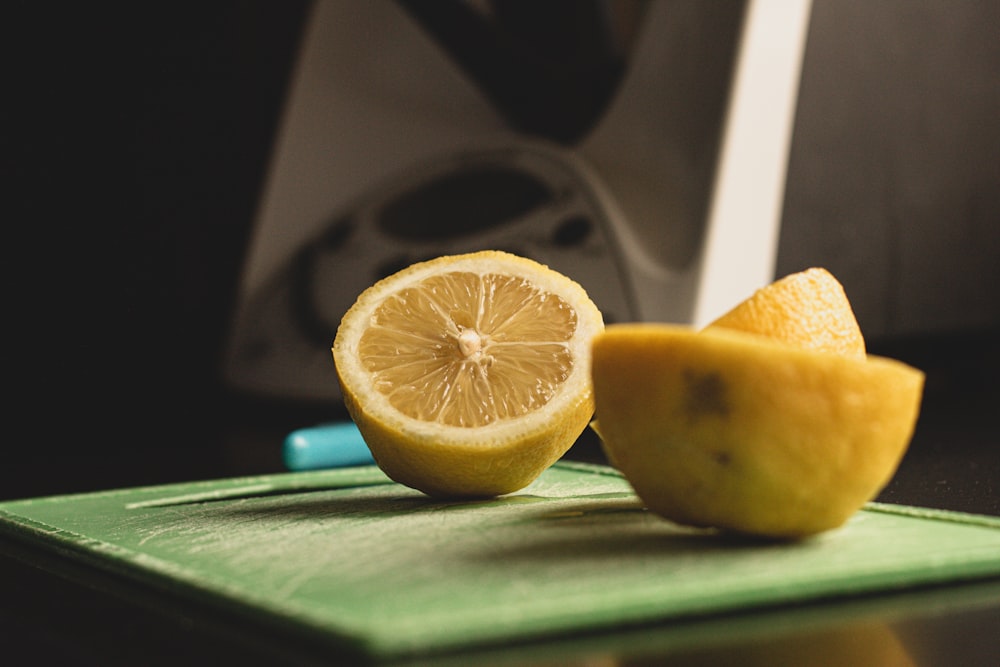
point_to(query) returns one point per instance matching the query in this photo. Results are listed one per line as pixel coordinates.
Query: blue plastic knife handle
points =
(326, 446)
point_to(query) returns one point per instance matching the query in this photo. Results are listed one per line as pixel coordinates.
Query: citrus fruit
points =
(727, 429)
(468, 375)
(807, 309)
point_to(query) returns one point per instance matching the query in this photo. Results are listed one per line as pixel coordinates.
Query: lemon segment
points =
(727, 429)
(468, 375)
(808, 309)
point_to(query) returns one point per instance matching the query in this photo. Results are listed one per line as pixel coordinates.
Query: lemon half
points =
(727, 429)
(468, 375)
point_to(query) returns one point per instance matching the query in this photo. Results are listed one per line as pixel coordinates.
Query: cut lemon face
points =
(808, 309)
(469, 375)
(727, 429)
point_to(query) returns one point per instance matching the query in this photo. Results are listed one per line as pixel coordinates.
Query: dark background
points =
(135, 138)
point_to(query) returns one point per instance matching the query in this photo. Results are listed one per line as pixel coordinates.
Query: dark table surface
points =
(953, 463)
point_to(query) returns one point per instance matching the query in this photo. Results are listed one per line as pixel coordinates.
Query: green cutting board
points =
(347, 556)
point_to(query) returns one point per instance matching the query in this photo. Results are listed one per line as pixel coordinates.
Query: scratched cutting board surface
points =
(348, 556)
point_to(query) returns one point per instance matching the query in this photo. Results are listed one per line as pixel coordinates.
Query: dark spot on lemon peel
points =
(706, 395)
(722, 458)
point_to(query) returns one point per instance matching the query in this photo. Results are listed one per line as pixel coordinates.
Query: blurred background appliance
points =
(639, 147)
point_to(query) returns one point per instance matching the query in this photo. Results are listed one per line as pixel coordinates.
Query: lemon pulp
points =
(463, 349)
